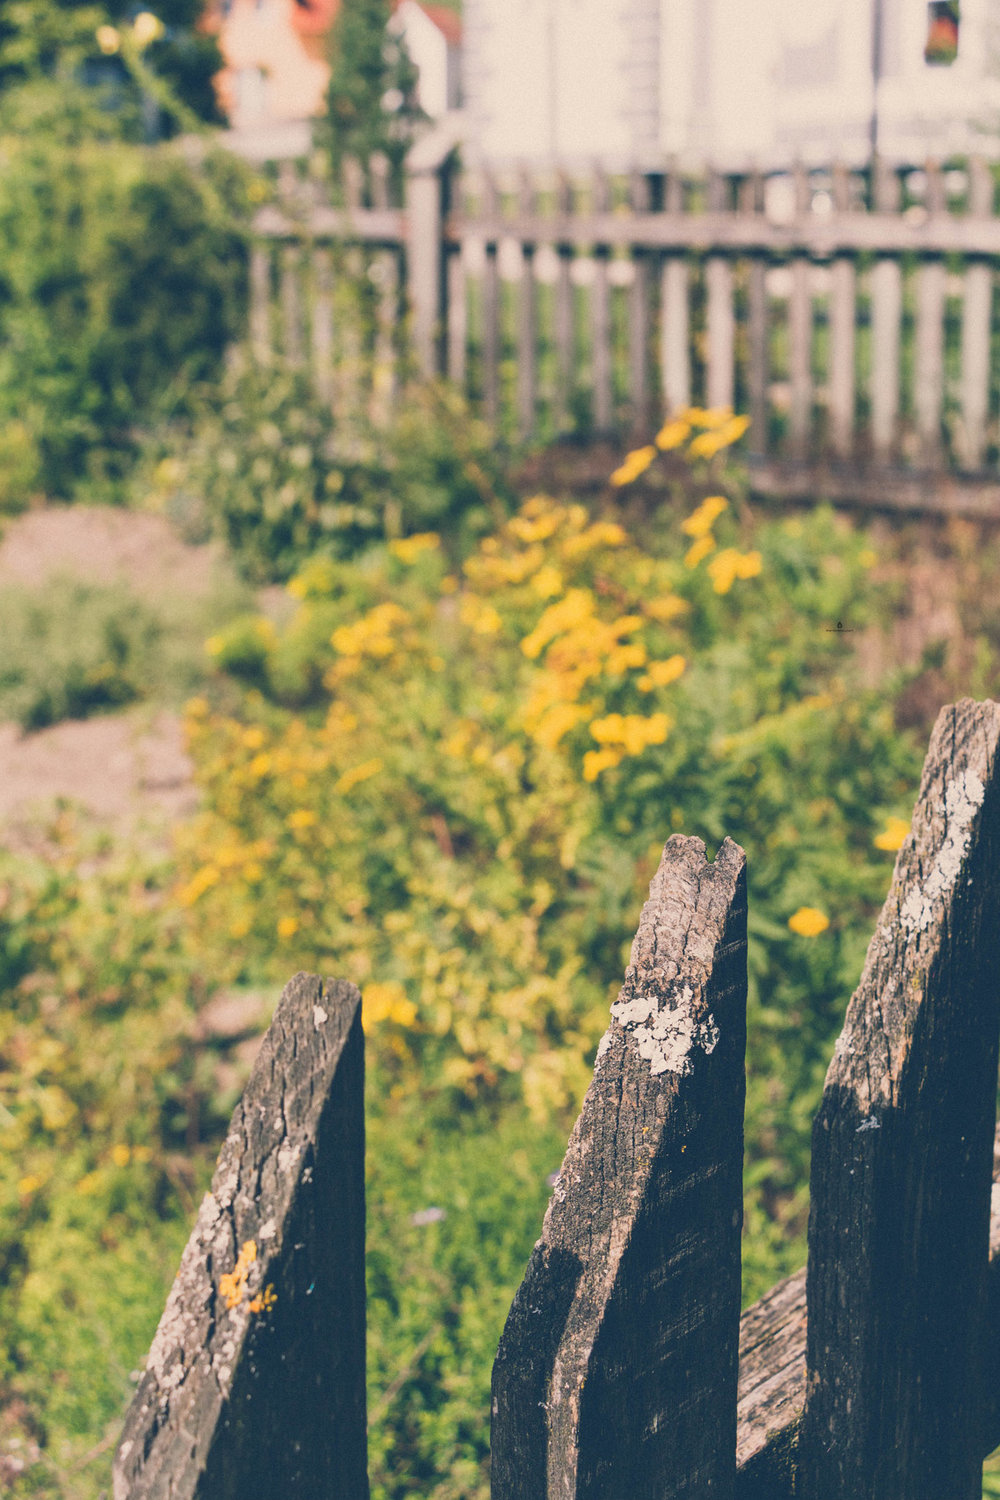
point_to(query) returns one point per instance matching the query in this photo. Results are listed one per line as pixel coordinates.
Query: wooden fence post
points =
(616, 1373)
(902, 1158)
(255, 1382)
(426, 164)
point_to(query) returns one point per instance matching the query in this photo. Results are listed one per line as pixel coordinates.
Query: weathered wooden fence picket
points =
(851, 313)
(625, 1368)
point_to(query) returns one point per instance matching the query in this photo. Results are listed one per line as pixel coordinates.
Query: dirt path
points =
(124, 769)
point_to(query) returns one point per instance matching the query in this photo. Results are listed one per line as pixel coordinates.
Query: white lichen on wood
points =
(963, 798)
(666, 1036)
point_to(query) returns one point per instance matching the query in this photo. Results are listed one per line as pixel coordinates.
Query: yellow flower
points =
(88, 1184)
(556, 722)
(108, 39)
(121, 1155)
(808, 921)
(386, 1002)
(287, 927)
(357, 774)
(701, 521)
(667, 608)
(528, 530)
(748, 564)
(573, 610)
(867, 558)
(708, 444)
(633, 731)
(201, 881)
(302, 817)
(239, 926)
(621, 658)
(596, 761)
(547, 582)
(893, 835)
(636, 463)
(672, 434)
(253, 738)
(29, 1184)
(701, 548)
(409, 548)
(479, 615)
(196, 708)
(259, 766)
(722, 569)
(662, 673)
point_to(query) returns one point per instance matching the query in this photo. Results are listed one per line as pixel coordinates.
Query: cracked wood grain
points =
(250, 1392)
(901, 1159)
(616, 1372)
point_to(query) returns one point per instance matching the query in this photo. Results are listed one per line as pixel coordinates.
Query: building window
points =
(942, 33)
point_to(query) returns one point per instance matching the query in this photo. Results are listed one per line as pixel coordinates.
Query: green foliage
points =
(98, 1078)
(265, 467)
(121, 275)
(75, 649)
(50, 47)
(371, 96)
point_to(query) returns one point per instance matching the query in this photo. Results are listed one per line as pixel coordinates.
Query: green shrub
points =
(267, 468)
(72, 649)
(122, 278)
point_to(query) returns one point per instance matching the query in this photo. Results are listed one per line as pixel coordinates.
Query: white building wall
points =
(429, 52)
(547, 79)
(739, 81)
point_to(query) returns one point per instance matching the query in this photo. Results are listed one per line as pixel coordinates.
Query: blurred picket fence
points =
(852, 314)
(625, 1368)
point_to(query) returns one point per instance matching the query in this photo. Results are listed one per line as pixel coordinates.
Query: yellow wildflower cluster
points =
(706, 433)
(621, 735)
(386, 1002)
(371, 635)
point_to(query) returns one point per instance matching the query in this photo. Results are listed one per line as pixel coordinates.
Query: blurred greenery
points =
(74, 649)
(266, 466)
(446, 774)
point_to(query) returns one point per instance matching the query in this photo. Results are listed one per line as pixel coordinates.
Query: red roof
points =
(446, 21)
(313, 17)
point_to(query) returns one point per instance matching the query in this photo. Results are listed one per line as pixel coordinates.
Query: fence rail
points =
(851, 313)
(624, 1367)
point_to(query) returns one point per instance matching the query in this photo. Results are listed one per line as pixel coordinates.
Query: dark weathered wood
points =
(976, 313)
(638, 311)
(800, 336)
(902, 1157)
(926, 492)
(321, 323)
(720, 327)
(491, 307)
(616, 1371)
(752, 202)
(600, 316)
(291, 304)
(527, 323)
(772, 1387)
(244, 1396)
(563, 331)
(260, 302)
(843, 312)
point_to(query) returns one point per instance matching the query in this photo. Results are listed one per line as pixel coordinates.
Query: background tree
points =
(372, 94)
